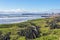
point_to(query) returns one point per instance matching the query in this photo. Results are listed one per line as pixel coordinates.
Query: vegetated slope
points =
(49, 29)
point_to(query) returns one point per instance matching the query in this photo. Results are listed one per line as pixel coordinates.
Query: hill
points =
(48, 29)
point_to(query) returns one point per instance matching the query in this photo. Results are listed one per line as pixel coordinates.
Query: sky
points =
(29, 5)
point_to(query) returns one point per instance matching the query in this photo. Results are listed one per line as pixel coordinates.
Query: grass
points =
(50, 34)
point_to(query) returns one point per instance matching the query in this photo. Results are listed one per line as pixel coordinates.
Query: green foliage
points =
(24, 24)
(44, 24)
(6, 25)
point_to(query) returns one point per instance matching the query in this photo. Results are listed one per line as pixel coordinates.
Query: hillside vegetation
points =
(47, 29)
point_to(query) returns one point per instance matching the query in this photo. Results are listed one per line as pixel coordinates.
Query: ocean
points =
(9, 18)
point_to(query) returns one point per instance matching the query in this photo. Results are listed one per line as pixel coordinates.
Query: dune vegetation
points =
(47, 29)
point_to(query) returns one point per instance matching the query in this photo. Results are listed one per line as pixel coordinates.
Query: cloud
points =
(18, 10)
(12, 10)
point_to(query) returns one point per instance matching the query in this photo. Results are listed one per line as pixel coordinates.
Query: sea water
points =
(7, 20)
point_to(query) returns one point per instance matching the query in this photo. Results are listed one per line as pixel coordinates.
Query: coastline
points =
(19, 20)
(41, 22)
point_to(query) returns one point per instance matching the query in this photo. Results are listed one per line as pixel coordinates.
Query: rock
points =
(7, 36)
(31, 32)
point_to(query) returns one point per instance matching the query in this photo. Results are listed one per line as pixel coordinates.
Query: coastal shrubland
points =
(38, 29)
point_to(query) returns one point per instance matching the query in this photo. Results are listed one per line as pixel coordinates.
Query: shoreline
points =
(20, 21)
